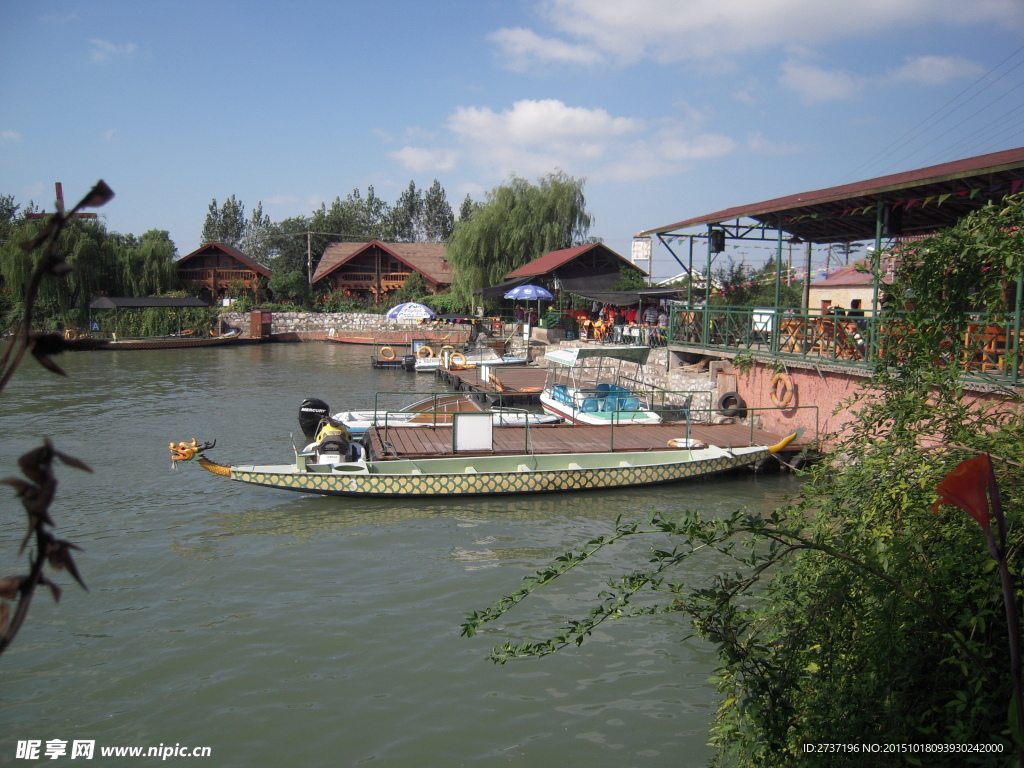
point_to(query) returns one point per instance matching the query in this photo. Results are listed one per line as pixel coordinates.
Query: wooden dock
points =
(508, 384)
(432, 441)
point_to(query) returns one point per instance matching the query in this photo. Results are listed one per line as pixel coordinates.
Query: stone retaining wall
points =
(327, 323)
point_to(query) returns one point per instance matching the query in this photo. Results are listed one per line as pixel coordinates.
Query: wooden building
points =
(374, 269)
(214, 267)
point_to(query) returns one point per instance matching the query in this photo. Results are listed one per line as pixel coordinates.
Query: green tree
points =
(289, 288)
(519, 222)
(865, 611)
(438, 219)
(225, 224)
(467, 209)
(257, 240)
(738, 285)
(407, 215)
(413, 289)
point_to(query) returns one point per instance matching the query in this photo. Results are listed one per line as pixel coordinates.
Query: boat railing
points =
(700, 416)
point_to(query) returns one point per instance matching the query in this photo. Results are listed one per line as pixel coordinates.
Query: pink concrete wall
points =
(824, 390)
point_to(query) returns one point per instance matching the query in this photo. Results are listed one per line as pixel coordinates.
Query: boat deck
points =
(430, 441)
(515, 383)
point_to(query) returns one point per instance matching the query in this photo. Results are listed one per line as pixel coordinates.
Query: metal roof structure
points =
(910, 203)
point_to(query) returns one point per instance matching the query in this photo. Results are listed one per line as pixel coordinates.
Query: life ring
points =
(424, 349)
(457, 358)
(387, 353)
(496, 382)
(731, 404)
(69, 334)
(782, 390)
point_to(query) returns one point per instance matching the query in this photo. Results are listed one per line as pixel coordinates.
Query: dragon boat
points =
(328, 468)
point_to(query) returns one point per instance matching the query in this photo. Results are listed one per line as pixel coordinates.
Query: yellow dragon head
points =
(188, 451)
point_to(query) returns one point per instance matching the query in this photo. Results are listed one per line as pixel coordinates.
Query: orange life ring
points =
(460, 361)
(387, 353)
(782, 390)
(424, 349)
(69, 334)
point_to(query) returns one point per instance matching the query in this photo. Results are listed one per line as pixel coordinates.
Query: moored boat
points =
(482, 475)
(431, 410)
(588, 385)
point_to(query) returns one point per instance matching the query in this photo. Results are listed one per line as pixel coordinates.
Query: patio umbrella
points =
(529, 292)
(410, 310)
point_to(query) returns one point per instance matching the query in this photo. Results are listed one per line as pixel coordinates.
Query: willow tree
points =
(518, 222)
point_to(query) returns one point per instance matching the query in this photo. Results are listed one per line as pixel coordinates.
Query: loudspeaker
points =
(717, 240)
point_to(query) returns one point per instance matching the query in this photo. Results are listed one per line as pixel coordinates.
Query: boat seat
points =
(629, 403)
(611, 403)
(591, 405)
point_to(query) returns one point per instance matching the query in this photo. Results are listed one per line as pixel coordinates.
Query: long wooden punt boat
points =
(482, 475)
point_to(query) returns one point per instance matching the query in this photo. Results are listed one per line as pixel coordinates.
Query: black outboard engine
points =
(312, 413)
(409, 363)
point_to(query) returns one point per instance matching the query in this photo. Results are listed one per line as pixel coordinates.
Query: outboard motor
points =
(312, 413)
(409, 363)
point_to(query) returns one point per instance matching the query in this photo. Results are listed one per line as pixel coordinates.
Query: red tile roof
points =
(425, 258)
(551, 261)
(234, 253)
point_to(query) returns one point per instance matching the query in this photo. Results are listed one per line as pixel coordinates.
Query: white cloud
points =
(422, 159)
(815, 84)
(935, 70)
(677, 30)
(10, 137)
(534, 137)
(521, 47)
(539, 122)
(104, 49)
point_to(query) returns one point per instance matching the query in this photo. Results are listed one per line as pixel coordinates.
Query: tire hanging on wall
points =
(731, 404)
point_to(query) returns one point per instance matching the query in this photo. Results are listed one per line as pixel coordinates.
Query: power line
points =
(927, 122)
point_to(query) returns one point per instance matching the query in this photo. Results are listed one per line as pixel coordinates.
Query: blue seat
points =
(591, 405)
(629, 403)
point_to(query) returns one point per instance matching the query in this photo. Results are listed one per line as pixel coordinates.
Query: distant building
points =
(213, 268)
(851, 287)
(374, 269)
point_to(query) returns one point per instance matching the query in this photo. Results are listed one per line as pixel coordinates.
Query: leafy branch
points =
(38, 487)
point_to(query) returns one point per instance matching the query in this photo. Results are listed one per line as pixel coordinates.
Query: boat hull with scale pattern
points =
(493, 475)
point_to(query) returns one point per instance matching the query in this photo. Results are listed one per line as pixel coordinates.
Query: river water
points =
(279, 628)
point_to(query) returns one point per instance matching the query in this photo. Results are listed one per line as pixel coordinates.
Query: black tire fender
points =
(731, 404)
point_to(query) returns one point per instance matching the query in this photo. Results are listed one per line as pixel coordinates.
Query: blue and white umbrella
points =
(411, 310)
(529, 293)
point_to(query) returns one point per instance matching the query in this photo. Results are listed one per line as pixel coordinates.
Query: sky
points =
(669, 109)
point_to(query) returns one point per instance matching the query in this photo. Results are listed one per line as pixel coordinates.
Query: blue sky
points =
(669, 108)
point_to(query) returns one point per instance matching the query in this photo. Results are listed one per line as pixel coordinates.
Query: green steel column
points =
(778, 267)
(876, 268)
(1015, 376)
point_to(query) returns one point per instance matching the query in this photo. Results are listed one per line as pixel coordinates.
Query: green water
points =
(279, 628)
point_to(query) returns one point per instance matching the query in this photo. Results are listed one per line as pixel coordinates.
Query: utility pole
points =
(60, 207)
